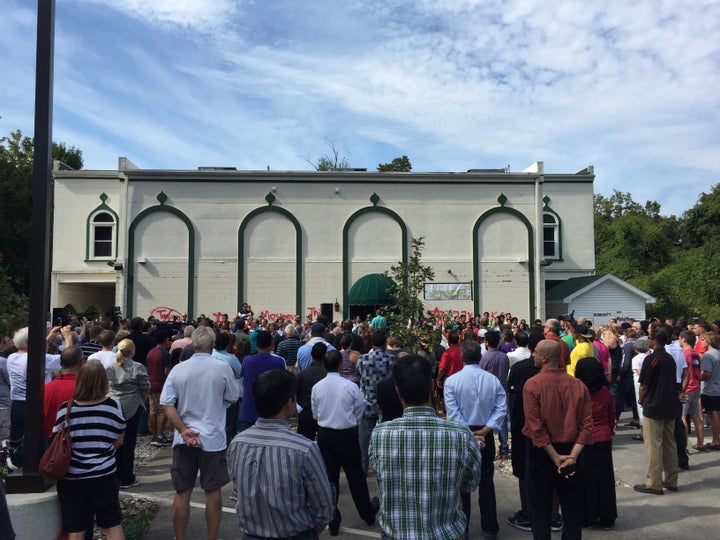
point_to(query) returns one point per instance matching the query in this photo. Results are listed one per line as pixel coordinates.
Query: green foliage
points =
(16, 168)
(399, 164)
(410, 278)
(13, 306)
(16, 162)
(701, 224)
(621, 204)
(71, 157)
(674, 260)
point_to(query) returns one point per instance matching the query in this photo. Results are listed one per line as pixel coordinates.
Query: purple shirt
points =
(497, 363)
(252, 367)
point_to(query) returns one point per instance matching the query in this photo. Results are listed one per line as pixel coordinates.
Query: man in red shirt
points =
(552, 331)
(451, 360)
(61, 388)
(158, 366)
(558, 421)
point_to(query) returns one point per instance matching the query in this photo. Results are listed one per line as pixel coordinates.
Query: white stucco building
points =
(287, 242)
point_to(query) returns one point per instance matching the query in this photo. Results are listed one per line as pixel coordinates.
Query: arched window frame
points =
(374, 199)
(556, 228)
(92, 225)
(270, 199)
(130, 278)
(502, 199)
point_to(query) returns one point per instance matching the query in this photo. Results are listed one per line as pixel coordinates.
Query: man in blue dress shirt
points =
(476, 398)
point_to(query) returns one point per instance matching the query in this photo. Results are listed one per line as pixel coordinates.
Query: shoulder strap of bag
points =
(67, 415)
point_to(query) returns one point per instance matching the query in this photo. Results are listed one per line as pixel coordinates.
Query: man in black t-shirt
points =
(661, 403)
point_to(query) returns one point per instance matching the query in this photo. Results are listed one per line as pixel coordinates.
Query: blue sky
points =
(630, 87)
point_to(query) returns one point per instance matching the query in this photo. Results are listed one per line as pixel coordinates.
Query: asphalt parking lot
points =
(691, 512)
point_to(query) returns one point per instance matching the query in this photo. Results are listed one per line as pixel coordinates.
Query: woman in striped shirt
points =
(96, 429)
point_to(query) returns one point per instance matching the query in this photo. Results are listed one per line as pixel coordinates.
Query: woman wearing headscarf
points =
(599, 503)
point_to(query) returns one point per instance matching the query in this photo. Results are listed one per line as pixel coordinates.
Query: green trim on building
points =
(531, 254)
(102, 208)
(374, 199)
(162, 198)
(270, 198)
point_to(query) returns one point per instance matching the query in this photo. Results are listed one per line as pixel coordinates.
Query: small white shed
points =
(598, 298)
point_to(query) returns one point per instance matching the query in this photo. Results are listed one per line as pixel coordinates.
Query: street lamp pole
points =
(42, 209)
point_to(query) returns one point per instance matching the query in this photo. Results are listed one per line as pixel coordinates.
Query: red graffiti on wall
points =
(452, 313)
(275, 316)
(165, 313)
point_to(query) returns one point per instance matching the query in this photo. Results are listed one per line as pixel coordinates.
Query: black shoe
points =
(642, 488)
(684, 466)
(519, 521)
(375, 506)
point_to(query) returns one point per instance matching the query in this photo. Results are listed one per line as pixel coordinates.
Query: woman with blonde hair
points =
(96, 428)
(129, 384)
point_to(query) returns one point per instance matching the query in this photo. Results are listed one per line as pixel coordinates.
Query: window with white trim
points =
(102, 235)
(551, 236)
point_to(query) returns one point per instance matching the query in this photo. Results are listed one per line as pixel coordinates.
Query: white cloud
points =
(454, 84)
(199, 15)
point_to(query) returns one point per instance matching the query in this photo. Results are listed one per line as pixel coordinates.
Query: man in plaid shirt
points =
(423, 462)
(373, 367)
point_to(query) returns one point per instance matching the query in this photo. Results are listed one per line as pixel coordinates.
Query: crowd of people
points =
(428, 423)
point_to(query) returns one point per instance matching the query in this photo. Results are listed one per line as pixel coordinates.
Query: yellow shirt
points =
(581, 350)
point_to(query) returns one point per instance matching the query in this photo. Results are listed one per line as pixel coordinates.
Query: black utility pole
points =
(42, 210)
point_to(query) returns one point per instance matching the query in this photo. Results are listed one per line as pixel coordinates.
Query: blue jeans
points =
(367, 424)
(620, 390)
(17, 430)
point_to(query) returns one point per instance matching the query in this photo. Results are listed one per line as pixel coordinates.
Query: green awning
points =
(371, 289)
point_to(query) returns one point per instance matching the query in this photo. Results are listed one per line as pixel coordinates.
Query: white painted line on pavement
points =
(359, 532)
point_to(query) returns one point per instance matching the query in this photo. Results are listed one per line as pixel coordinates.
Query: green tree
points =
(632, 240)
(14, 306)
(701, 224)
(399, 164)
(410, 278)
(16, 167)
(674, 260)
(72, 157)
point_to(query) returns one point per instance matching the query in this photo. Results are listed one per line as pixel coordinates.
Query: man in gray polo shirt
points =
(194, 398)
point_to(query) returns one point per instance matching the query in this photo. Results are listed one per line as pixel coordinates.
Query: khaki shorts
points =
(188, 460)
(154, 401)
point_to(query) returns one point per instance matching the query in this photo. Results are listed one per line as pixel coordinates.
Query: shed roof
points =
(572, 288)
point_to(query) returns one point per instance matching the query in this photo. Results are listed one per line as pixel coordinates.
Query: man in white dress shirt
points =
(337, 405)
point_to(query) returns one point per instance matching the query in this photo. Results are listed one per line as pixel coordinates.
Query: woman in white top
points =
(641, 347)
